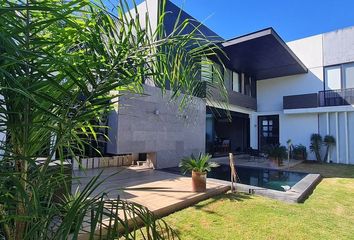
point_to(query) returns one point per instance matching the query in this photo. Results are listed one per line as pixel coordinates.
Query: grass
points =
(327, 214)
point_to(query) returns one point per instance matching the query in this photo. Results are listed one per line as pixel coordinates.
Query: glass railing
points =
(336, 97)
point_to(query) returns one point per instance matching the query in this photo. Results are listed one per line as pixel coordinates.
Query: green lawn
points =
(327, 214)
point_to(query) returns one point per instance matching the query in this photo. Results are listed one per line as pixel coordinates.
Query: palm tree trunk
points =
(5, 226)
(21, 164)
(20, 226)
(326, 155)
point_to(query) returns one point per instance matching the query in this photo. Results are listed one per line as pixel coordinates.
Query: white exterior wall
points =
(299, 124)
(270, 92)
(338, 46)
(149, 7)
(270, 95)
(341, 126)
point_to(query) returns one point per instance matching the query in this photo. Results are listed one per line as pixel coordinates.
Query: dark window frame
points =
(239, 81)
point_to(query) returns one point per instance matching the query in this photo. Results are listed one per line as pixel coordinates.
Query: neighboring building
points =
(277, 91)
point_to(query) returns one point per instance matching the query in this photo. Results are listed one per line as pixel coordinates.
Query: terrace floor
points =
(161, 192)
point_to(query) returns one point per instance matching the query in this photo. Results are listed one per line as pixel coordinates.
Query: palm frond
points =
(62, 65)
(198, 164)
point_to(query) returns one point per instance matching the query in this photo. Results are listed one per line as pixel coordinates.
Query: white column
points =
(337, 136)
(346, 137)
(327, 121)
(254, 130)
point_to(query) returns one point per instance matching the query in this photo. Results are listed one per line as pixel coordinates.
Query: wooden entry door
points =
(268, 131)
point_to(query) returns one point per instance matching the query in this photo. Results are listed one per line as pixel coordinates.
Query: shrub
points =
(198, 164)
(317, 142)
(300, 152)
(316, 145)
(277, 152)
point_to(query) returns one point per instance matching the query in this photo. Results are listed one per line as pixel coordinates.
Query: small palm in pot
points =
(198, 166)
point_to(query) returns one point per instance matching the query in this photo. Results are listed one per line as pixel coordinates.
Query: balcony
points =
(300, 101)
(234, 98)
(339, 97)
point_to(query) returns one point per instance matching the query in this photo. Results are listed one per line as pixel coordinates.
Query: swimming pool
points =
(260, 177)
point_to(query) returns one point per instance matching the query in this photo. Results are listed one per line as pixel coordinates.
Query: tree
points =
(63, 64)
(316, 145)
(290, 148)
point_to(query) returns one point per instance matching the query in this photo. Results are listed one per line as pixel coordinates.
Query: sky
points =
(291, 19)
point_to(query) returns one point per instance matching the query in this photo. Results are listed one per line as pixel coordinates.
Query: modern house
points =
(277, 91)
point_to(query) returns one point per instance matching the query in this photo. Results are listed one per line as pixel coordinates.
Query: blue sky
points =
(292, 19)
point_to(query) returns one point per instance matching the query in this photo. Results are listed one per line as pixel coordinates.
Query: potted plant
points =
(198, 166)
(276, 153)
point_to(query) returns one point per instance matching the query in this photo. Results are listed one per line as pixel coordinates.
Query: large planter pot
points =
(199, 181)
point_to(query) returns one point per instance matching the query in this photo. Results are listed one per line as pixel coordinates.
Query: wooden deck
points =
(161, 192)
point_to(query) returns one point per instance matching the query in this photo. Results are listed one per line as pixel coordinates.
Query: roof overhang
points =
(263, 55)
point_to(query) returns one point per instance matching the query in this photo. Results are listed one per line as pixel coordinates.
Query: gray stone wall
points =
(153, 123)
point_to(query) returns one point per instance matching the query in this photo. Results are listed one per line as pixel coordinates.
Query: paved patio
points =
(161, 192)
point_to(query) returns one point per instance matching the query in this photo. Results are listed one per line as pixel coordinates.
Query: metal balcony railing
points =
(336, 97)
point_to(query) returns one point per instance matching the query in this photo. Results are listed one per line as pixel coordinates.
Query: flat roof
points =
(263, 55)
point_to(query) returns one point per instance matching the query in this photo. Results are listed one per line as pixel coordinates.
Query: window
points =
(333, 78)
(236, 82)
(242, 83)
(339, 76)
(348, 75)
(247, 84)
(228, 78)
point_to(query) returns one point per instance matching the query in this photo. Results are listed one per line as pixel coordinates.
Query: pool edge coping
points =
(297, 194)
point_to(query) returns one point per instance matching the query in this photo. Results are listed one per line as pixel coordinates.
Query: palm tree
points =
(62, 66)
(290, 148)
(200, 164)
(316, 145)
(329, 141)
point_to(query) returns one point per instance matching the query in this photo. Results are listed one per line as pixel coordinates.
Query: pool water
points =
(260, 177)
